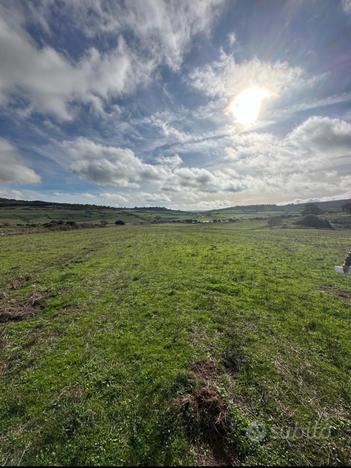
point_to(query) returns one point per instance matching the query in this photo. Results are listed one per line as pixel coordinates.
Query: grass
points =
(17, 216)
(95, 376)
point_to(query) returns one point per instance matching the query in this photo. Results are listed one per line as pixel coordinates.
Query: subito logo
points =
(256, 432)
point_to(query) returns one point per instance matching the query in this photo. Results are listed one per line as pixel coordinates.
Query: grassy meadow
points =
(175, 344)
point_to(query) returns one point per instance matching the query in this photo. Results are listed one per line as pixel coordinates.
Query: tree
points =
(313, 221)
(311, 209)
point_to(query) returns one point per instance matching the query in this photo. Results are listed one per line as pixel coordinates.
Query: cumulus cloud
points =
(109, 164)
(310, 161)
(13, 168)
(122, 168)
(323, 135)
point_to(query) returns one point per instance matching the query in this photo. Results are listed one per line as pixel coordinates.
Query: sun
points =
(246, 105)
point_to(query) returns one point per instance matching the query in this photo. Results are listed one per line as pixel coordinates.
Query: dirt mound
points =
(205, 415)
(15, 310)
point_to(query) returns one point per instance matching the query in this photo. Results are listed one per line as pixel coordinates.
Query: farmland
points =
(18, 216)
(170, 344)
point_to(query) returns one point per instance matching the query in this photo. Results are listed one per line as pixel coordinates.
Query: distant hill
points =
(291, 208)
(23, 214)
(332, 205)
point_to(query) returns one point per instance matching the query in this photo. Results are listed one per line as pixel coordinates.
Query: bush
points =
(60, 225)
(313, 221)
(274, 221)
(119, 222)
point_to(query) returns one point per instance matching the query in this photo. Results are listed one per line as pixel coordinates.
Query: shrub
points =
(119, 222)
(313, 221)
(274, 221)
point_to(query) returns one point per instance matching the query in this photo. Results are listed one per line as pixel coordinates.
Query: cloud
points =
(12, 167)
(310, 161)
(323, 135)
(206, 181)
(122, 168)
(109, 164)
(225, 77)
(51, 82)
(346, 6)
(163, 121)
(12, 194)
(170, 161)
(231, 39)
(163, 29)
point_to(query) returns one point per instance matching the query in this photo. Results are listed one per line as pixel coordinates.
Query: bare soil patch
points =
(206, 417)
(19, 282)
(340, 293)
(29, 307)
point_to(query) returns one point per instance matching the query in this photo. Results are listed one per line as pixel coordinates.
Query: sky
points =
(183, 104)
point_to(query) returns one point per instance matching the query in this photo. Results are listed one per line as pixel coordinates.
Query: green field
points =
(171, 344)
(18, 216)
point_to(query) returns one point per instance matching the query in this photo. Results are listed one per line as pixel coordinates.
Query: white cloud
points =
(346, 5)
(226, 77)
(122, 168)
(12, 194)
(162, 28)
(313, 160)
(109, 164)
(51, 82)
(323, 135)
(163, 121)
(167, 27)
(231, 38)
(13, 168)
(170, 161)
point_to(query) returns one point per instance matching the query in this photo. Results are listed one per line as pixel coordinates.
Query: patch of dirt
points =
(205, 415)
(340, 293)
(19, 282)
(207, 370)
(214, 456)
(29, 307)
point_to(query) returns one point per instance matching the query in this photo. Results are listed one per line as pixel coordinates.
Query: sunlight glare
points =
(246, 105)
